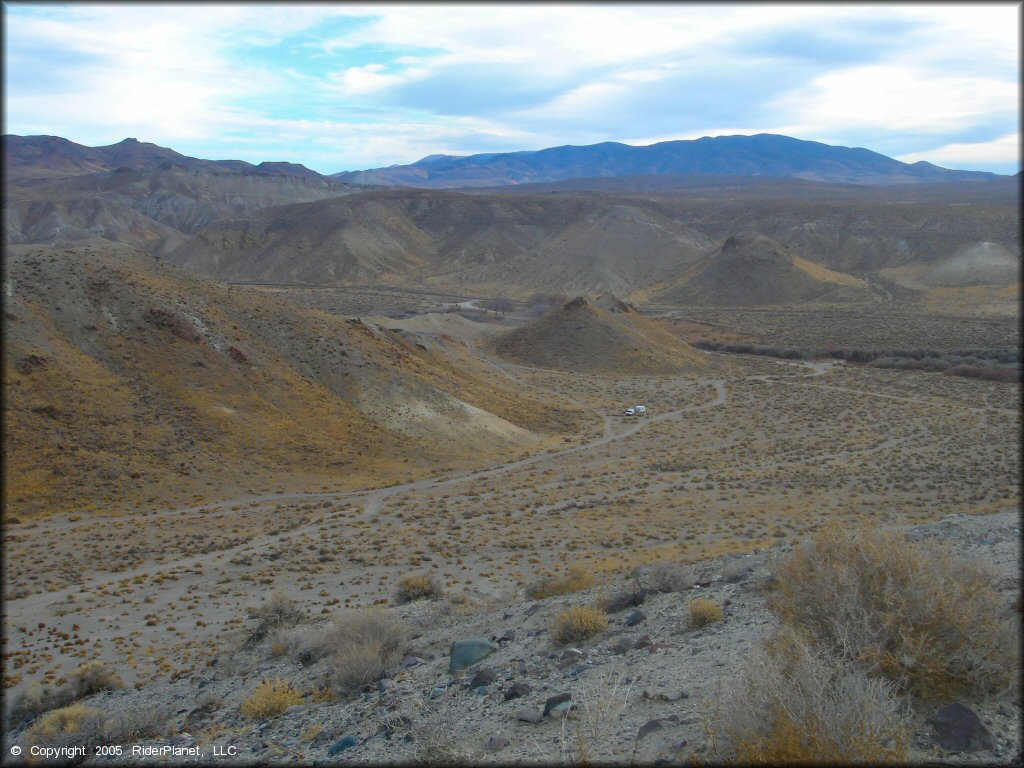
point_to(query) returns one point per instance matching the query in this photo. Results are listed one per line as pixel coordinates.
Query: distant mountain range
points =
(53, 156)
(57, 192)
(662, 233)
(761, 155)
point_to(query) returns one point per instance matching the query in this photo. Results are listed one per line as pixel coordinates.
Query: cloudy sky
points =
(342, 87)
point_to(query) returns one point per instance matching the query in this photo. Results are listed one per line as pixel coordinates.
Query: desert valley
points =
(312, 468)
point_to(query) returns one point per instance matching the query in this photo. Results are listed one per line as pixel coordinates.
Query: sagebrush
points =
(278, 612)
(578, 623)
(271, 698)
(796, 703)
(909, 611)
(575, 580)
(417, 587)
(363, 645)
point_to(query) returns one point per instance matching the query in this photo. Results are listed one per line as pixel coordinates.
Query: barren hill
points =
(127, 381)
(579, 243)
(61, 193)
(751, 269)
(466, 242)
(602, 335)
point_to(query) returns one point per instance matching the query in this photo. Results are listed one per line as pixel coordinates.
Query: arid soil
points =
(755, 453)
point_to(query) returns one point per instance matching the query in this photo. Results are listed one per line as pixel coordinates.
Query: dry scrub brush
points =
(704, 612)
(578, 623)
(73, 726)
(910, 611)
(598, 708)
(363, 646)
(271, 698)
(417, 587)
(665, 577)
(91, 677)
(795, 703)
(576, 580)
(278, 612)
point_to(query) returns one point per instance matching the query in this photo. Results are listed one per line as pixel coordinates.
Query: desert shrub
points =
(576, 580)
(37, 699)
(670, 577)
(598, 707)
(363, 645)
(910, 611)
(985, 373)
(795, 703)
(623, 600)
(277, 612)
(137, 723)
(578, 623)
(735, 570)
(299, 643)
(417, 587)
(271, 698)
(93, 677)
(73, 725)
(437, 740)
(704, 612)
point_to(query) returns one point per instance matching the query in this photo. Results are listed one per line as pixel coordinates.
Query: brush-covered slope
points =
(760, 155)
(127, 381)
(601, 335)
(464, 242)
(751, 269)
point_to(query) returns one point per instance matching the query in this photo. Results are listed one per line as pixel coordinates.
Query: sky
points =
(345, 86)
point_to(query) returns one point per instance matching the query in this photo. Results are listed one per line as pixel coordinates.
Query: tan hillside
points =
(127, 381)
(155, 209)
(752, 269)
(470, 243)
(600, 335)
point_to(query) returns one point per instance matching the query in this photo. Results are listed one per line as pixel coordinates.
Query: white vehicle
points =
(639, 410)
(631, 411)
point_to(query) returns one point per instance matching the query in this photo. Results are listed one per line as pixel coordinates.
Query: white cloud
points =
(900, 99)
(369, 78)
(172, 72)
(1002, 151)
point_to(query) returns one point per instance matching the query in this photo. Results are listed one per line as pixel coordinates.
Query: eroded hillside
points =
(128, 381)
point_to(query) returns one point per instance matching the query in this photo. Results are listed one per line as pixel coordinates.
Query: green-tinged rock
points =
(466, 653)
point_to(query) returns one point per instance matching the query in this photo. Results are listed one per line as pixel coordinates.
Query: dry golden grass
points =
(576, 580)
(76, 720)
(703, 612)
(271, 698)
(912, 612)
(578, 623)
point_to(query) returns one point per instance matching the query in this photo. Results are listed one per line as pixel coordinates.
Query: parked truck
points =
(636, 410)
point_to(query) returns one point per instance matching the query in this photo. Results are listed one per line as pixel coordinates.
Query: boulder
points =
(516, 690)
(557, 704)
(466, 653)
(958, 729)
(529, 715)
(345, 742)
